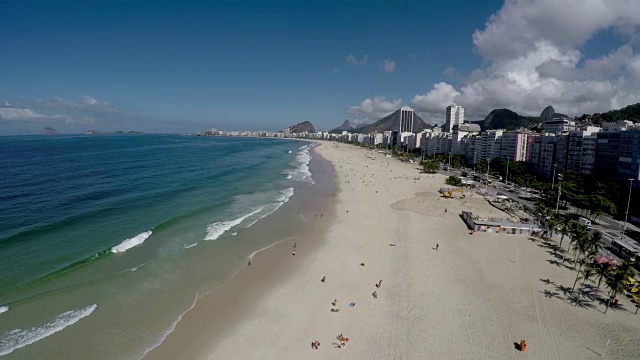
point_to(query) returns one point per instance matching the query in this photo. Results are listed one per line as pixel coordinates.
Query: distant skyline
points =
(260, 65)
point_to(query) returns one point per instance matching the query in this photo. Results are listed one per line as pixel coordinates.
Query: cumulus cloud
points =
(532, 57)
(389, 65)
(354, 61)
(57, 109)
(370, 110)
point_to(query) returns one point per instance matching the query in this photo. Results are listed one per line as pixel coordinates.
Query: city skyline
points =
(189, 67)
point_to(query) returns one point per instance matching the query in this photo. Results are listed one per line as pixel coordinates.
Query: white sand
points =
(469, 300)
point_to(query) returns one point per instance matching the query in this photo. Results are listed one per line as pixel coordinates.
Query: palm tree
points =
(551, 222)
(565, 230)
(587, 273)
(582, 261)
(616, 280)
(602, 271)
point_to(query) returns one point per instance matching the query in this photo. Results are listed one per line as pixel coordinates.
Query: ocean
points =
(106, 240)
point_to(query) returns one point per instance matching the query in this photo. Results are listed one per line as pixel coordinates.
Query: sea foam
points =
(19, 338)
(301, 173)
(132, 242)
(282, 198)
(215, 230)
(4, 309)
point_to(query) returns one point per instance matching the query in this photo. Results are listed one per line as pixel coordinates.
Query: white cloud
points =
(354, 61)
(86, 103)
(374, 109)
(29, 115)
(532, 58)
(389, 65)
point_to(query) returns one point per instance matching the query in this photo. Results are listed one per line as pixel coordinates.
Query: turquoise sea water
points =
(105, 240)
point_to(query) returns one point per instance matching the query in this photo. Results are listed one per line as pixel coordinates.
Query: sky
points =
(264, 65)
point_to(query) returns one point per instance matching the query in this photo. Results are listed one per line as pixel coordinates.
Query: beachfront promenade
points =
(473, 298)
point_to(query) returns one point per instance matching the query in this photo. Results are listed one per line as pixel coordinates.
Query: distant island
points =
(96, 132)
(49, 131)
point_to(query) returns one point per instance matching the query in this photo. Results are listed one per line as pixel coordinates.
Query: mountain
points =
(392, 122)
(346, 126)
(49, 131)
(304, 126)
(631, 112)
(507, 119)
(550, 113)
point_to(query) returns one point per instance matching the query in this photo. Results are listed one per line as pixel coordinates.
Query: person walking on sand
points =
(323, 279)
(249, 264)
(437, 246)
(375, 294)
(293, 253)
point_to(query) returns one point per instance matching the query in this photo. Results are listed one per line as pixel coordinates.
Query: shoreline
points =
(193, 333)
(445, 294)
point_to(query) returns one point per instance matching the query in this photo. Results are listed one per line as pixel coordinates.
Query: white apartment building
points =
(620, 125)
(558, 126)
(435, 143)
(454, 116)
(490, 144)
(581, 150)
(513, 146)
(459, 135)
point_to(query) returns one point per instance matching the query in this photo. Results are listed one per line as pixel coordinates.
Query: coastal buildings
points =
(558, 126)
(611, 151)
(514, 145)
(490, 144)
(459, 136)
(618, 154)
(406, 119)
(581, 150)
(454, 116)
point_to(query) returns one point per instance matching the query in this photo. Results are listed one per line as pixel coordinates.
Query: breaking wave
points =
(19, 338)
(132, 242)
(215, 230)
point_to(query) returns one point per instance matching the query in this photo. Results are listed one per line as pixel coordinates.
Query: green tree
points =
(453, 181)
(430, 166)
(565, 229)
(615, 281)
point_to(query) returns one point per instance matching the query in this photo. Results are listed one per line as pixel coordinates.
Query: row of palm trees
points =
(586, 245)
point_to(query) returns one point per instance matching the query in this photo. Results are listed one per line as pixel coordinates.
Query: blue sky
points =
(188, 66)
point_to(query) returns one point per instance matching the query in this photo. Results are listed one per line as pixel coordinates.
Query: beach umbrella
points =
(634, 290)
(632, 280)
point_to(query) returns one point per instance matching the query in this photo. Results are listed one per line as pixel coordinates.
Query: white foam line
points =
(190, 245)
(216, 230)
(4, 309)
(266, 247)
(172, 327)
(19, 338)
(132, 242)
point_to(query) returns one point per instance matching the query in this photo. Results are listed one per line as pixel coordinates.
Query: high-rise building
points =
(581, 150)
(618, 154)
(406, 120)
(513, 146)
(547, 155)
(454, 116)
(490, 144)
(459, 136)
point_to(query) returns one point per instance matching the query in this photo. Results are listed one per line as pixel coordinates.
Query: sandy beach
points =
(472, 298)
